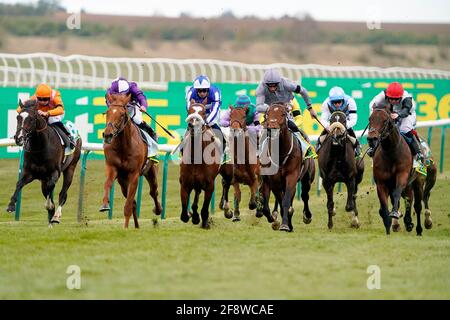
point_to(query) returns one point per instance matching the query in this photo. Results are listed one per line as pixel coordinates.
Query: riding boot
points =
(67, 137)
(144, 126)
(370, 152)
(357, 147)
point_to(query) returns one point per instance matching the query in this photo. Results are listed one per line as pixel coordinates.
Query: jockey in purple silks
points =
(137, 104)
(252, 118)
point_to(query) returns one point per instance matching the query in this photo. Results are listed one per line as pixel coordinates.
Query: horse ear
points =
(191, 102)
(231, 107)
(21, 104)
(108, 97)
(127, 99)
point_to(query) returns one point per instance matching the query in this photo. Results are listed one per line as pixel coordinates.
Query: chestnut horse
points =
(393, 172)
(43, 159)
(199, 165)
(337, 163)
(289, 168)
(126, 158)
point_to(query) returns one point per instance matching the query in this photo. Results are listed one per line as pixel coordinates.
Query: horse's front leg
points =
(408, 196)
(253, 190)
(383, 195)
(111, 174)
(286, 203)
(351, 202)
(401, 182)
(329, 186)
(23, 180)
(130, 204)
(265, 194)
(205, 208)
(418, 195)
(237, 200)
(194, 207)
(184, 194)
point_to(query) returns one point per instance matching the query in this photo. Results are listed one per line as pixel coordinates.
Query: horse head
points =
(276, 119)
(338, 129)
(380, 126)
(238, 122)
(196, 118)
(27, 122)
(116, 116)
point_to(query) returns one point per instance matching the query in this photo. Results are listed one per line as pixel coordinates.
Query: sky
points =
(425, 11)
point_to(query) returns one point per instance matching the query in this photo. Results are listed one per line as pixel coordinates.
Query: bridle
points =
(123, 122)
(28, 133)
(385, 131)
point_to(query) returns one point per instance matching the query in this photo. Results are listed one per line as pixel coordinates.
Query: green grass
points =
(244, 260)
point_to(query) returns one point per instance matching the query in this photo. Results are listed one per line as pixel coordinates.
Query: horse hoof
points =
(274, 214)
(306, 220)
(285, 227)
(236, 219)
(228, 214)
(259, 214)
(330, 225)
(252, 205)
(184, 218)
(409, 227)
(55, 221)
(195, 219)
(428, 221)
(104, 208)
(206, 226)
(276, 225)
(157, 210)
(396, 227)
(355, 223)
(11, 209)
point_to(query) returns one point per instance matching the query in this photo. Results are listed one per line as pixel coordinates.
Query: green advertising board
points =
(86, 107)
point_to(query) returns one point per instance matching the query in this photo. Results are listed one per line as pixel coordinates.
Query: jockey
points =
(403, 111)
(252, 118)
(275, 88)
(137, 104)
(338, 101)
(50, 106)
(200, 90)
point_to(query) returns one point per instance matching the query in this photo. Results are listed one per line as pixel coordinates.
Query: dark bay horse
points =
(284, 168)
(245, 162)
(44, 159)
(393, 171)
(199, 165)
(126, 158)
(337, 163)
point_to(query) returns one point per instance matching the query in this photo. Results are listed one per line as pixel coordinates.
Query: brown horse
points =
(126, 158)
(43, 159)
(199, 166)
(337, 163)
(245, 162)
(283, 167)
(393, 172)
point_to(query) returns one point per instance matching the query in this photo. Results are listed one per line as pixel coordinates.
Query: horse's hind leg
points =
(306, 186)
(111, 174)
(408, 196)
(129, 187)
(429, 184)
(328, 186)
(152, 179)
(24, 180)
(351, 202)
(418, 196)
(226, 184)
(194, 207)
(205, 207)
(237, 200)
(67, 181)
(47, 187)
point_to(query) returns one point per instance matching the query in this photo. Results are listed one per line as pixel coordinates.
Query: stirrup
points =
(421, 169)
(310, 153)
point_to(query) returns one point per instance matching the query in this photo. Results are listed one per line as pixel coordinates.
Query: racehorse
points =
(337, 163)
(126, 158)
(44, 159)
(289, 169)
(393, 172)
(199, 165)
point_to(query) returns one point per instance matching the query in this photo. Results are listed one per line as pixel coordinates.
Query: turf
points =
(241, 260)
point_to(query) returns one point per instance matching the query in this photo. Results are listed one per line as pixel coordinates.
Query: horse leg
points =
(130, 186)
(67, 181)
(47, 187)
(224, 204)
(237, 200)
(265, 194)
(401, 183)
(184, 194)
(351, 202)
(286, 203)
(429, 184)
(253, 190)
(408, 196)
(205, 213)
(194, 207)
(383, 195)
(306, 186)
(23, 181)
(152, 179)
(111, 174)
(329, 186)
(418, 195)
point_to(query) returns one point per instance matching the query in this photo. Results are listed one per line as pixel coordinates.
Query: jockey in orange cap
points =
(50, 106)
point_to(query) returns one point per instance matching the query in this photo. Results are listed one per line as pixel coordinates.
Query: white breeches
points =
(135, 113)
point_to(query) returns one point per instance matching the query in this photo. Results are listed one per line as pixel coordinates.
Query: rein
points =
(119, 129)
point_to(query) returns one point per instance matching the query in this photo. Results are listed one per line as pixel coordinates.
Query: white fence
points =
(78, 71)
